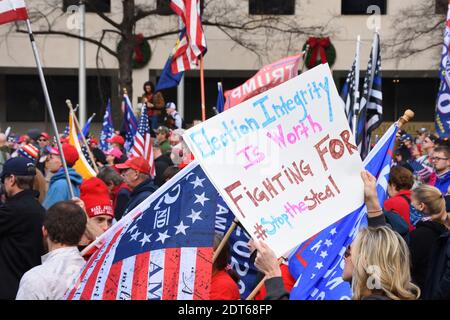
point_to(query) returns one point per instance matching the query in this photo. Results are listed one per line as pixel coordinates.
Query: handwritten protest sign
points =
(284, 161)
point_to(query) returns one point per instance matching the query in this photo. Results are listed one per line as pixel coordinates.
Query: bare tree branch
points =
(417, 29)
(71, 35)
(101, 14)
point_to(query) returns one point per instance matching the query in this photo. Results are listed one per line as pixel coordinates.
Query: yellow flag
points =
(82, 166)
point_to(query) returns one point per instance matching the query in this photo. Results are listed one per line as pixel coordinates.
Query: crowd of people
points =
(43, 229)
(407, 237)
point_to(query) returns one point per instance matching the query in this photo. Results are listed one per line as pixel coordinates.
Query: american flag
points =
(66, 131)
(317, 264)
(12, 10)
(348, 94)
(142, 144)
(193, 42)
(163, 253)
(129, 123)
(107, 128)
(371, 109)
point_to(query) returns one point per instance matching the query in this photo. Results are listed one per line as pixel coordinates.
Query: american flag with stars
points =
(163, 252)
(317, 264)
(142, 143)
(193, 42)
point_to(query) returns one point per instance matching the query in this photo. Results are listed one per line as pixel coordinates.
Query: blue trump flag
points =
(240, 254)
(86, 127)
(107, 128)
(442, 121)
(129, 123)
(318, 263)
(220, 100)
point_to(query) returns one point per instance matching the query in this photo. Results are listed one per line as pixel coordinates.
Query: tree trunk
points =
(125, 55)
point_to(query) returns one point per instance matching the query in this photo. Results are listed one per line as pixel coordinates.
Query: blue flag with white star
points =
(317, 264)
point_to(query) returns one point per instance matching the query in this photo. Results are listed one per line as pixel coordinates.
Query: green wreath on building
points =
(141, 53)
(320, 50)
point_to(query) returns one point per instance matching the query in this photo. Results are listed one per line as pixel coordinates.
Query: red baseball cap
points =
(23, 138)
(70, 153)
(136, 163)
(45, 135)
(93, 141)
(116, 139)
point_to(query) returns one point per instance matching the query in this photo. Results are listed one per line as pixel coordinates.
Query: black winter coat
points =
(421, 242)
(437, 286)
(21, 244)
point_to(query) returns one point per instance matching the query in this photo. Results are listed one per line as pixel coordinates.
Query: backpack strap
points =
(406, 198)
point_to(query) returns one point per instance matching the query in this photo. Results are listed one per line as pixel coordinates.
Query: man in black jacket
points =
(162, 162)
(21, 220)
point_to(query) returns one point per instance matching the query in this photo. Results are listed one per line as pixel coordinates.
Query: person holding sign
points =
(377, 262)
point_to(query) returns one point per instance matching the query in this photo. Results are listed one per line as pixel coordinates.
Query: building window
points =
(93, 6)
(25, 100)
(272, 7)
(441, 6)
(359, 7)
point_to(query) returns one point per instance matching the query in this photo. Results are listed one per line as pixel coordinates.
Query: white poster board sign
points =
(284, 161)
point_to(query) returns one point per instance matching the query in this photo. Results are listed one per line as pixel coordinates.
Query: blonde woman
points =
(377, 264)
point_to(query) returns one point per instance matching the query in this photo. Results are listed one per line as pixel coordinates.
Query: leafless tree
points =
(257, 33)
(417, 29)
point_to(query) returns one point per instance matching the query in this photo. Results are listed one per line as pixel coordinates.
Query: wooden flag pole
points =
(405, 118)
(202, 88)
(304, 57)
(79, 131)
(49, 106)
(224, 240)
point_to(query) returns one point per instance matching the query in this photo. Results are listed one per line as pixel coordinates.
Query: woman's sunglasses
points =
(347, 252)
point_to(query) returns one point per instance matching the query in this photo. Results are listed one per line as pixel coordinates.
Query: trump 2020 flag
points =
(107, 128)
(240, 253)
(162, 252)
(318, 263)
(442, 121)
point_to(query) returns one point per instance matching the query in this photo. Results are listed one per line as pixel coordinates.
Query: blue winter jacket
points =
(139, 194)
(442, 182)
(58, 189)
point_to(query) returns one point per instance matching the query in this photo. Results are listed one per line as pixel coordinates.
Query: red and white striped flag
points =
(12, 10)
(193, 42)
(142, 142)
(162, 251)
